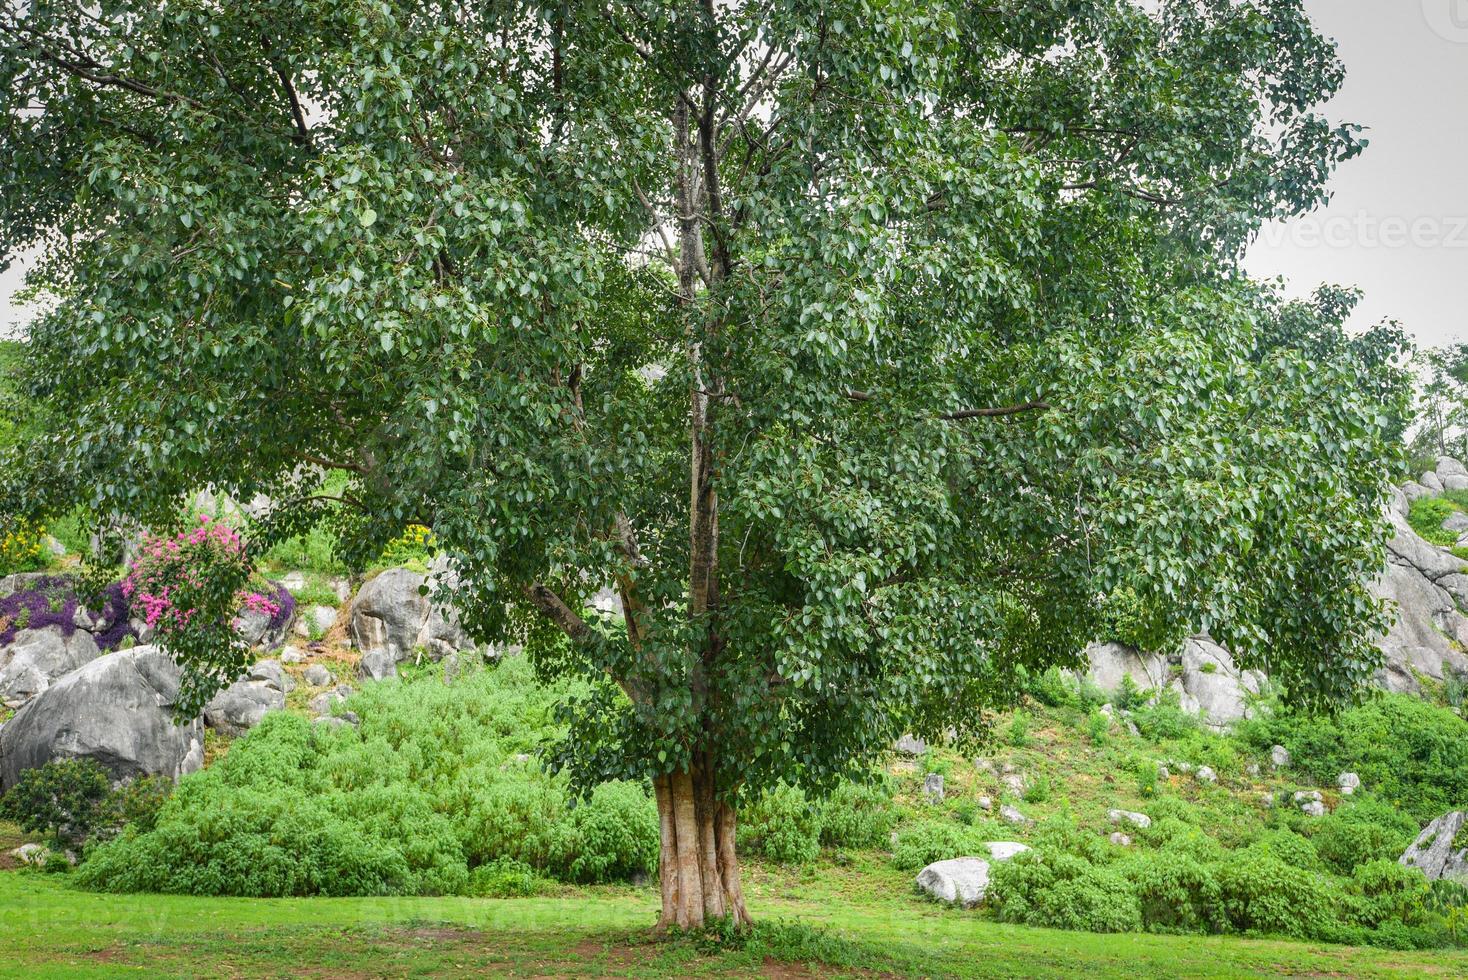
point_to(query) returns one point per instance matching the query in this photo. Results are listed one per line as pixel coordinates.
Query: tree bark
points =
(698, 870)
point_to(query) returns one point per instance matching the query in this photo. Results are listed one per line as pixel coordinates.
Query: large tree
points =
(863, 349)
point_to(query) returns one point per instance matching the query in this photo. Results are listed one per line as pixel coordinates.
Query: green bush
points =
(1408, 752)
(1289, 847)
(439, 782)
(1263, 894)
(1427, 516)
(783, 826)
(1162, 718)
(1175, 892)
(1388, 892)
(67, 800)
(920, 844)
(1051, 888)
(858, 816)
(1358, 833)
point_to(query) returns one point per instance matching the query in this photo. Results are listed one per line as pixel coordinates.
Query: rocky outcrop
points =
(1111, 663)
(239, 707)
(393, 621)
(117, 710)
(36, 658)
(965, 880)
(1436, 850)
(1211, 686)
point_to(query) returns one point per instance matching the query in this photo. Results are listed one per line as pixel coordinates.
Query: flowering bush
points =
(21, 548)
(189, 588)
(52, 601)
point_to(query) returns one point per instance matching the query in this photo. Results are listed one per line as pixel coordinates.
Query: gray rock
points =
(117, 709)
(933, 787)
(1129, 816)
(986, 803)
(1206, 775)
(1457, 522)
(1348, 783)
(240, 707)
(293, 582)
(32, 855)
(1455, 482)
(1433, 852)
(910, 745)
(958, 881)
(1015, 783)
(36, 658)
(1120, 839)
(253, 627)
(323, 703)
(377, 664)
(1215, 684)
(315, 620)
(1314, 808)
(1431, 482)
(1428, 631)
(1449, 466)
(391, 618)
(1279, 756)
(1003, 850)
(1308, 796)
(1414, 491)
(270, 672)
(1009, 814)
(1109, 663)
(317, 676)
(292, 655)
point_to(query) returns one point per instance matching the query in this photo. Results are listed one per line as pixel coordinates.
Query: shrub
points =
(1361, 832)
(22, 548)
(783, 826)
(504, 878)
(617, 834)
(1019, 729)
(1427, 516)
(429, 790)
(1060, 834)
(1162, 717)
(1407, 751)
(1289, 847)
(1388, 892)
(65, 800)
(921, 843)
(1175, 892)
(857, 815)
(1261, 893)
(1050, 888)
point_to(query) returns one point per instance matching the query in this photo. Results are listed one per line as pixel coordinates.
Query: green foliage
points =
(1360, 832)
(432, 788)
(784, 826)
(1052, 888)
(1410, 753)
(857, 815)
(1175, 892)
(1288, 847)
(1162, 718)
(1427, 515)
(922, 842)
(66, 800)
(1019, 729)
(1263, 894)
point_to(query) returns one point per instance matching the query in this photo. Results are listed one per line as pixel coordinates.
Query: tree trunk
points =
(698, 868)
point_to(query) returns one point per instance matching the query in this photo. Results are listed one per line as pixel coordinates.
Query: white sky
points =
(1397, 225)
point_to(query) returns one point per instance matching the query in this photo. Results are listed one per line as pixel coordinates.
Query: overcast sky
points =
(1398, 223)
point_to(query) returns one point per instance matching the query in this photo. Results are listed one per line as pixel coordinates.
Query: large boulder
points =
(392, 621)
(1212, 686)
(38, 657)
(959, 881)
(239, 707)
(1427, 631)
(1434, 851)
(117, 709)
(1109, 663)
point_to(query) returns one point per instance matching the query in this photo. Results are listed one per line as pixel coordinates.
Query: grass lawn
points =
(48, 929)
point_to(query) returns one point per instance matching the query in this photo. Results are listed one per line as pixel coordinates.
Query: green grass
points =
(48, 929)
(1428, 513)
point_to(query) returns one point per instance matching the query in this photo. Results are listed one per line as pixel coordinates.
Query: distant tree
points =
(1442, 402)
(859, 348)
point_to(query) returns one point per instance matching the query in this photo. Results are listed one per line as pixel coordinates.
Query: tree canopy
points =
(864, 349)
